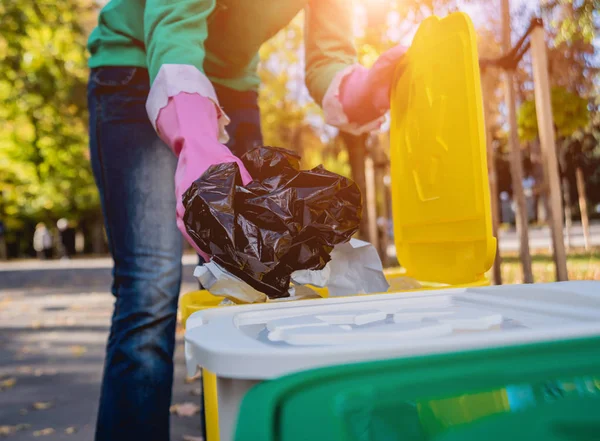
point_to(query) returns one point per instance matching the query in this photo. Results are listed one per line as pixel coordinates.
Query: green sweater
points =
(221, 37)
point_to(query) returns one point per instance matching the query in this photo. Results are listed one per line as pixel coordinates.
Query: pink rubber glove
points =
(365, 93)
(189, 125)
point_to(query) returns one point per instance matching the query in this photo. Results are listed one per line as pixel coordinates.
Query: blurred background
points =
(55, 273)
(45, 175)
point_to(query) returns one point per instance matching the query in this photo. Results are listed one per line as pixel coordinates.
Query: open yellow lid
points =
(440, 189)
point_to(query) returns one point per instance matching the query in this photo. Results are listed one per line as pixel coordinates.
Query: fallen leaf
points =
(42, 405)
(5, 301)
(36, 324)
(25, 370)
(7, 383)
(70, 430)
(77, 350)
(192, 438)
(44, 432)
(196, 392)
(195, 378)
(9, 430)
(23, 412)
(185, 409)
(39, 372)
(27, 350)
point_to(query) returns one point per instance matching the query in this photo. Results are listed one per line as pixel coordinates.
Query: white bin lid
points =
(269, 340)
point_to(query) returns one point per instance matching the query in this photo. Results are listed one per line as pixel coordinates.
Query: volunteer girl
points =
(172, 91)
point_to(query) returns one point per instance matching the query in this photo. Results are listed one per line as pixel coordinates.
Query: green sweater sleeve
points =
(175, 31)
(329, 43)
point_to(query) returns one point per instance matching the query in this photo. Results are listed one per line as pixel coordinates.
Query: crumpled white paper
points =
(220, 282)
(355, 268)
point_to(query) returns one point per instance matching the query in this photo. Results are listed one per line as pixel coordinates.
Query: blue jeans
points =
(134, 171)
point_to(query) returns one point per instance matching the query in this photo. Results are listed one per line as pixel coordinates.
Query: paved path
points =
(54, 319)
(540, 239)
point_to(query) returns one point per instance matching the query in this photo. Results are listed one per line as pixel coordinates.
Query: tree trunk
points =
(540, 192)
(98, 237)
(568, 212)
(357, 153)
(543, 106)
(542, 209)
(296, 140)
(497, 271)
(516, 162)
(79, 242)
(585, 222)
(389, 217)
(381, 164)
(370, 202)
(3, 249)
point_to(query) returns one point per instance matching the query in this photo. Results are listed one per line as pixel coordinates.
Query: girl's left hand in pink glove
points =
(189, 124)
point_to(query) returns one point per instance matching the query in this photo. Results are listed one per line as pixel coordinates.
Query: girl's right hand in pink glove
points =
(365, 93)
(189, 125)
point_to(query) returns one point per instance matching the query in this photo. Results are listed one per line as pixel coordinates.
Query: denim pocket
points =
(113, 76)
(120, 93)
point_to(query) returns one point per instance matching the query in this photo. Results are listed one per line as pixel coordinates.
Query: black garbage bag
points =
(287, 219)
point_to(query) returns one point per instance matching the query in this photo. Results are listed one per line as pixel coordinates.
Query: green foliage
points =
(282, 83)
(570, 113)
(43, 119)
(44, 166)
(574, 19)
(286, 109)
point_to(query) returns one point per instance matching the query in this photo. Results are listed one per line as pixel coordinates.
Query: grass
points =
(581, 265)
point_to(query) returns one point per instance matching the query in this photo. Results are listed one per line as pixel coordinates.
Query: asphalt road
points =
(540, 238)
(54, 319)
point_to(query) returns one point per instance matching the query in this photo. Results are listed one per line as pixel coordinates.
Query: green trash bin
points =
(539, 392)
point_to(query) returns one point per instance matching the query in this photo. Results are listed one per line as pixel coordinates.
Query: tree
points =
(516, 161)
(573, 66)
(570, 114)
(43, 132)
(569, 110)
(289, 117)
(573, 19)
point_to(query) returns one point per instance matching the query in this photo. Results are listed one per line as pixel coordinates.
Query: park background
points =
(44, 160)
(54, 314)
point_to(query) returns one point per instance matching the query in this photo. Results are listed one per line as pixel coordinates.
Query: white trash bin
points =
(243, 345)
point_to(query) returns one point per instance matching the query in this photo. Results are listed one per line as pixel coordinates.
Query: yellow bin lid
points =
(440, 188)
